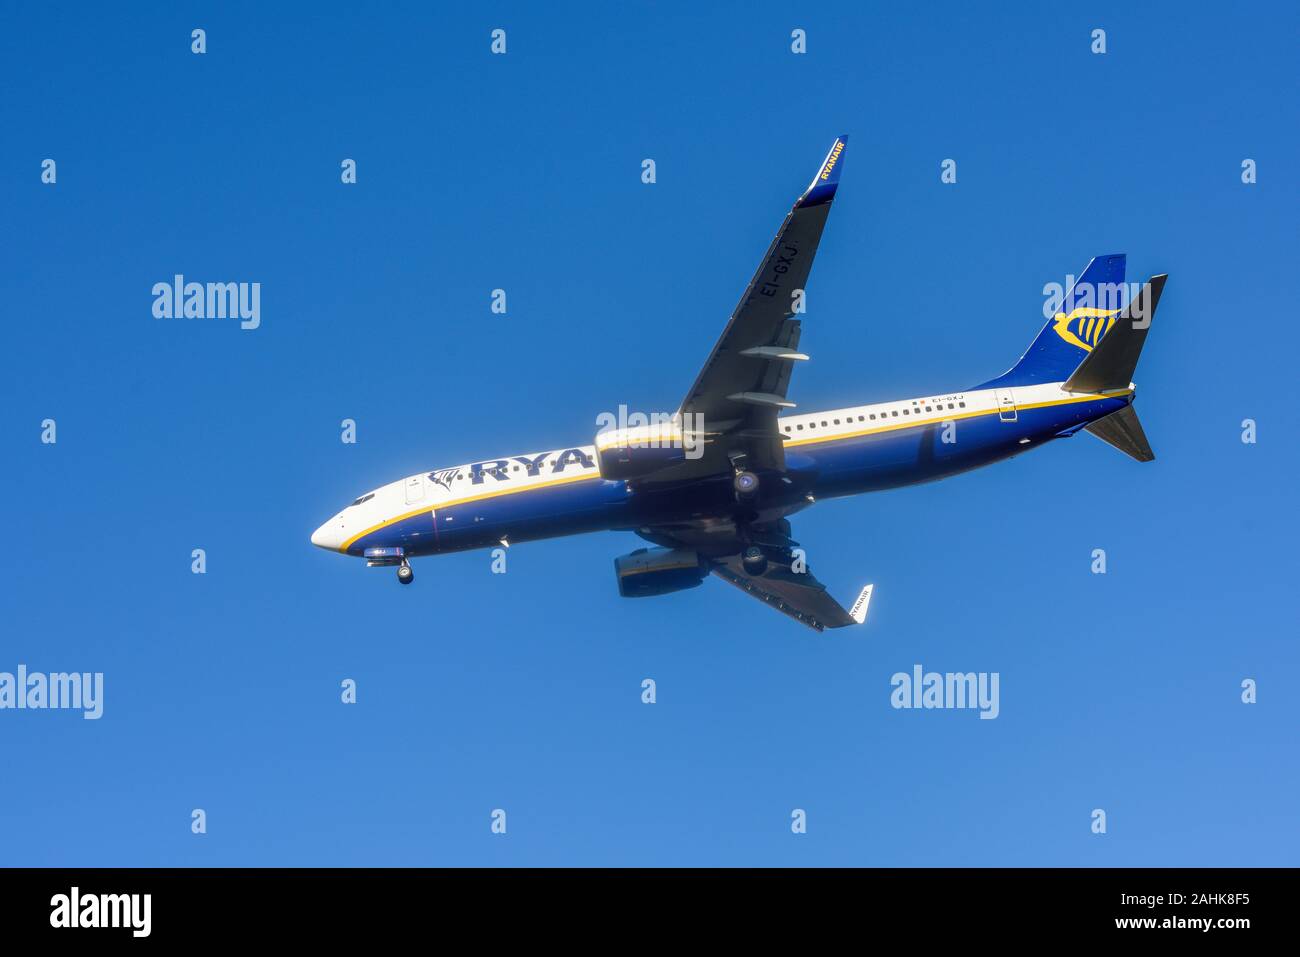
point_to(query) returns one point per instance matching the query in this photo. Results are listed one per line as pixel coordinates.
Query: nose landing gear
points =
(405, 574)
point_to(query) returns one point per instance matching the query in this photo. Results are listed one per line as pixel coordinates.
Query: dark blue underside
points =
(826, 469)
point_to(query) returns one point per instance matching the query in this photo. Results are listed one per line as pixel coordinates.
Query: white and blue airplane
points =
(713, 488)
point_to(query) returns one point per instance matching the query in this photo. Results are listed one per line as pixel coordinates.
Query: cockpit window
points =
(364, 498)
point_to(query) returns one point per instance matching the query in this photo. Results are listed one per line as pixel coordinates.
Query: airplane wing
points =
(743, 385)
(799, 595)
(785, 583)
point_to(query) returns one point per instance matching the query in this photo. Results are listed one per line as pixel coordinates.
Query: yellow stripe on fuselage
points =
(913, 423)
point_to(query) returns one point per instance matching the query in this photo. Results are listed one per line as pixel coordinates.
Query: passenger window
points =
(962, 404)
(837, 421)
(873, 416)
(799, 427)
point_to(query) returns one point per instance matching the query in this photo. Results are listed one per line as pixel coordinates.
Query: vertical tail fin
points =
(1086, 313)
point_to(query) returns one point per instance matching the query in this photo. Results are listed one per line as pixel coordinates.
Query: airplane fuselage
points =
(837, 452)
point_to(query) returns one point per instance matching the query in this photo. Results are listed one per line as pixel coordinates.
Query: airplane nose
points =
(327, 536)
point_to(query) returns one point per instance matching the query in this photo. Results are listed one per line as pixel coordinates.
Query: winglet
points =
(859, 610)
(822, 189)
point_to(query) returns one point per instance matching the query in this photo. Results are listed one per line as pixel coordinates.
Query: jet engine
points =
(657, 571)
(633, 452)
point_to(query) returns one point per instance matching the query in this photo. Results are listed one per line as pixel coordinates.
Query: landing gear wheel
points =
(754, 560)
(745, 485)
(405, 574)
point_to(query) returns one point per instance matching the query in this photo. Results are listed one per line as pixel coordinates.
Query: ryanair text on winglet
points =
(832, 159)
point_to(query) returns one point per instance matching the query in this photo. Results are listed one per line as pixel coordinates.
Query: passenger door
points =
(415, 489)
(1006, 405)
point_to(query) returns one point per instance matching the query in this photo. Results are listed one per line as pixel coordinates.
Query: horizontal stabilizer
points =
(1110, 366)
(1123, 430)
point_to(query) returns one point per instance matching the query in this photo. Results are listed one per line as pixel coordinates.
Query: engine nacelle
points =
(657, 571)
(633, 452)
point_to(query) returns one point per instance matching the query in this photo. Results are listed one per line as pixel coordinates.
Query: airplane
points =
(712, 489)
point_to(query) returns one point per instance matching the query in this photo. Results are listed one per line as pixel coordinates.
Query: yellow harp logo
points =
(1085, 326)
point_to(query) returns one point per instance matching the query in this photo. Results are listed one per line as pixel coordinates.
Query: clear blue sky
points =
(522, 691)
